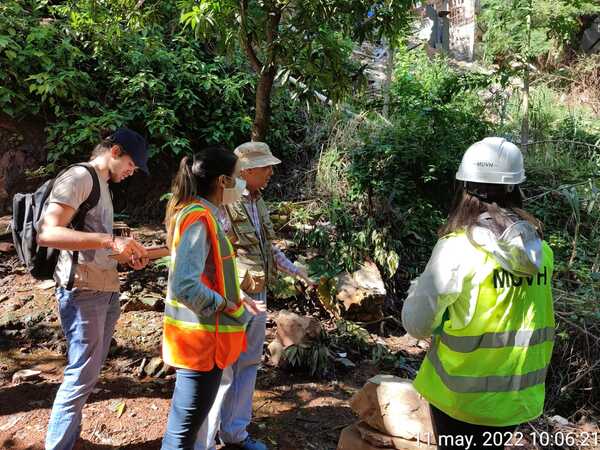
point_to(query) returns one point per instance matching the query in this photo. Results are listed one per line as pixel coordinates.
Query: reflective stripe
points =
(520, 338)
(232, 328)
(465, 384)
(204, 327)
(231, 283)
(190, 326)
(174, 303)
(224, 255)
(237, 312)
(180, 313)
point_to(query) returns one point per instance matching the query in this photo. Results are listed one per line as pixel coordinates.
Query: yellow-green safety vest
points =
(492, 372)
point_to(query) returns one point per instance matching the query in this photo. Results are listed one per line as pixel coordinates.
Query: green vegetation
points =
(396, 173)
(389, 183)
(86, 66)
(307, 41)
(526, 29)
(190, 73)
(518, 33)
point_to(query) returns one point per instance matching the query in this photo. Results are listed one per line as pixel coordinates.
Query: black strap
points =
(78, 221)
(594, 44)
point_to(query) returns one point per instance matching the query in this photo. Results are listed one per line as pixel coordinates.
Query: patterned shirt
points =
(282, 263)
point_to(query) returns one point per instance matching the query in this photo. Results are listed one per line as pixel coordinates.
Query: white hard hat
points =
(493, 160)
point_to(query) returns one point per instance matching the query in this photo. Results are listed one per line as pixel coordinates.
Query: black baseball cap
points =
(134, 145)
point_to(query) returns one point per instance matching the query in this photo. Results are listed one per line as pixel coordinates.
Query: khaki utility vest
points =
(255, 262)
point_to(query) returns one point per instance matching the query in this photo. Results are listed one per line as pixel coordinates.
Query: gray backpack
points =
(28, 209)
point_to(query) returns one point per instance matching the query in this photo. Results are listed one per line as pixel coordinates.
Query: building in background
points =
(450, 26)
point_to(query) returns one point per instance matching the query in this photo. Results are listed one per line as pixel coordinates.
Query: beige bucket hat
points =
(255, 154)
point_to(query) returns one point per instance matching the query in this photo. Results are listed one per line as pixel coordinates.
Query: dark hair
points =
(475, 199)
(197, 176)
(104, 145)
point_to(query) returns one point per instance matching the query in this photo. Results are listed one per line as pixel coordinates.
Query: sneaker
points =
(251, 444)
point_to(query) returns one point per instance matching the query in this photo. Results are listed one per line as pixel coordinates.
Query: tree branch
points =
(272, 32)
(564, 141)
(251, 54)
(246, 38)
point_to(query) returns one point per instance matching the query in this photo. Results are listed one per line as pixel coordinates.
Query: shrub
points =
(86, 66)
(395, 176)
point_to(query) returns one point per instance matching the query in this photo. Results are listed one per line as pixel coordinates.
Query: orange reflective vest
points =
(198, 342)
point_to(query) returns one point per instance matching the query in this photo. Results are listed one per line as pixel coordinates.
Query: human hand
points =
(128, 251)
(138, 264)
(254, 307)
(303, 275)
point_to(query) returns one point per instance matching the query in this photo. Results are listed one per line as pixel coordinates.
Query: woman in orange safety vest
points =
(205, 317)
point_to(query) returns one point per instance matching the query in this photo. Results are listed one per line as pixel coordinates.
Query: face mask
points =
(232, 195)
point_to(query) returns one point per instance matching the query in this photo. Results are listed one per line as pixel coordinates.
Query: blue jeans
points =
(88, 320)
(232, 410)
(193, 397)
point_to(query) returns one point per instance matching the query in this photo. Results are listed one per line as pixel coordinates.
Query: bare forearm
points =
(282, 263)
(68, 239)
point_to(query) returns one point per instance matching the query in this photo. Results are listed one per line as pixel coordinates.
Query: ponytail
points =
(182, 192)
(197, 177)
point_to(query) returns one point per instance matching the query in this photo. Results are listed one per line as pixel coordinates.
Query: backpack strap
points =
(78, 221)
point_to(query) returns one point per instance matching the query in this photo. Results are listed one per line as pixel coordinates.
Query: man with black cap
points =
(87, 282)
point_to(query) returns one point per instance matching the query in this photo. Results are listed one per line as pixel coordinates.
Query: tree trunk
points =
(262, 116)
(525, 123)
(389, 71)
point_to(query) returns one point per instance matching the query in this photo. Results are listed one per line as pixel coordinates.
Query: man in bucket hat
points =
(249, 227)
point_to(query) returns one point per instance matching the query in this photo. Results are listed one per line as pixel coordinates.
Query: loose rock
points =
(392, 406)
(378, 439)
(153, 365)
(350, 439)
(293, 329)
(362, 293)
(144, 304)
(46, 284)
(559, 420)
(25, 375)
(276, 352)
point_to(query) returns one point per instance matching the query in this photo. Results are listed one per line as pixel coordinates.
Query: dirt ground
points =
(128, 409)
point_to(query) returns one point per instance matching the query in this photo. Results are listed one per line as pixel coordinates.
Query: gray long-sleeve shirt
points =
(193, 258)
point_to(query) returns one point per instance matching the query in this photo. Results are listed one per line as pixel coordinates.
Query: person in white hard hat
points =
(486, 298)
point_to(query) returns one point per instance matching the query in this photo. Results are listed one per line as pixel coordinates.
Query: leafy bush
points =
(528, 29)
(397, 174)
(86, 66)
(554, 118)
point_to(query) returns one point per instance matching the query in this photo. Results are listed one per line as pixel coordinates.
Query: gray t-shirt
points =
(94, 270)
